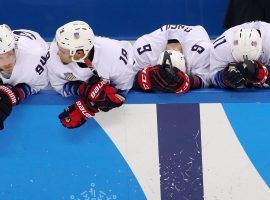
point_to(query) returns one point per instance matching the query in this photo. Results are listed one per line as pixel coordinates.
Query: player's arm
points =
(198, 58)
(96, 95)
(56, 77)
(223, 71)
(83, 109)
(103, 96)
(164, 77)
(159, 78)
(242, 74)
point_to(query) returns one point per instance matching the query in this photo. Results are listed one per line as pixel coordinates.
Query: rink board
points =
(207, 144)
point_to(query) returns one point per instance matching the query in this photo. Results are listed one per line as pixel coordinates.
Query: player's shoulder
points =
(104, 45)
(100, 41)
(30, 42)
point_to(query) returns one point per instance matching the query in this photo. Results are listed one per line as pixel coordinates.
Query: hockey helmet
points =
(7, 40)
(74, 36)
(177, 59)
(247, 44)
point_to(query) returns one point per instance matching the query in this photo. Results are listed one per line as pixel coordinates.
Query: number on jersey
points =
(124, 56)
(43, 60)
(197, 48)
(144, 48)
(219, 41)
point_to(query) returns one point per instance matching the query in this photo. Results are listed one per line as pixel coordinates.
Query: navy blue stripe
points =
(218, 39)
(180, 158)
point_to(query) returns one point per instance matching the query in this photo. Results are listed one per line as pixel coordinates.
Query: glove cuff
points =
(186, 83)
(262, 74)
(82, 107)
(91, 92)
(11, 93)
(143, 79)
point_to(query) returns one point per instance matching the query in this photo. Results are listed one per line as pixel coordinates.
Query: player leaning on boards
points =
(98, 70)
(188, 65)
(23, 72)
(240, 57)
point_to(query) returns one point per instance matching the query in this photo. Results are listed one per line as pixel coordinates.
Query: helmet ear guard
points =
(177, 59)
(74, 36)
(7, 39)
(246, 45)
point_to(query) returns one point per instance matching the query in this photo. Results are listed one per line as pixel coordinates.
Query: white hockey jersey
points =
(194, 41)
(221, 54)
(31, 57)
(113, 61)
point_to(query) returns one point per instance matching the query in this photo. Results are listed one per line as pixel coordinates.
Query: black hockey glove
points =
(5, 108)
(253, 71)
(165, 78)
(232, 75)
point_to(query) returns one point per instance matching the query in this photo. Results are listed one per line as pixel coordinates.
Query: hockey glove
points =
(232, 76)
(254, 72)
(162, 78)
(100, 94)
(108, 99)
(92, 88)
(11, 96)
(5, 108)
(77, 114)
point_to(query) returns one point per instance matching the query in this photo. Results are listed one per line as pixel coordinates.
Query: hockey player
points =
(23, 56)
(240, 57)
(189, 50)
(98, 70)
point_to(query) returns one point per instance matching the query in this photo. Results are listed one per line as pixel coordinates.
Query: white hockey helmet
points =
(177, 58)
(7, 40)
(247, 44)
(75, 35)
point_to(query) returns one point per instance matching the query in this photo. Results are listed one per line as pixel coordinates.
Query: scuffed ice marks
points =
(181, 171)
(93, 193)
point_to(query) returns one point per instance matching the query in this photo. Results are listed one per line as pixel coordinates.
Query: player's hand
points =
(11, 92)
(108, 99)
(171, 79)
(100, 94)
(92, 89)
(77, 114)
(170, 74)
(232, 76)
(254, 71)
(5, 108)
(159, 78)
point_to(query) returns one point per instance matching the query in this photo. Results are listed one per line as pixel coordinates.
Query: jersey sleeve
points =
(55, 75)
(31, 59)
(198, 61)
(59, 74)
(117, 68)
(53, 62)
(220, 56)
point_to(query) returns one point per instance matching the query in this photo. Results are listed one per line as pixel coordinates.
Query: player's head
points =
(177, 58)
(247, 44)
(7, 46)
(75, 40)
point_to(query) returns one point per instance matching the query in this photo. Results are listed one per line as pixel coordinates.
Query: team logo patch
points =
(76, 35)
(69, 76)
